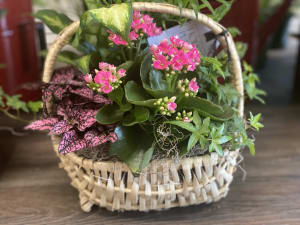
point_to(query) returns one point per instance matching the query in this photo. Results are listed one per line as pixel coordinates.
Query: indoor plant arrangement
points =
(141, 127)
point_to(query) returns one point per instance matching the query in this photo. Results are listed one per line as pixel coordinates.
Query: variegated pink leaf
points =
(63, 75)
(85, 118)
(45, 124)
(61, 127)
(101, 99)
(71, 143)
(94, 138)
(83, 92)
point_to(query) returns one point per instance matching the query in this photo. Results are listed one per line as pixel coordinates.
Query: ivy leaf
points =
(117, 18)
(133, 146)
(137, 96)
(254, 121)
(109, 114)
(137, 115)
(54, 20)
(15, 103)
(35, 106)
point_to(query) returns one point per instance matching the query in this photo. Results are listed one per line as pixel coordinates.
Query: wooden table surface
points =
(33, 190)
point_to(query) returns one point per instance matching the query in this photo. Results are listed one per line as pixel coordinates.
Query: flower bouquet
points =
(145, 127)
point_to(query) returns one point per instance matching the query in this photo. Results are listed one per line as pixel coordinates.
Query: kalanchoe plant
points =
(142, 98)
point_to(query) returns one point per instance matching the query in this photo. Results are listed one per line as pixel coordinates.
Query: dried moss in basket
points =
(159, 101)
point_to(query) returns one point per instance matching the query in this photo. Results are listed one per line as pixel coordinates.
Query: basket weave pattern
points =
(162, 184)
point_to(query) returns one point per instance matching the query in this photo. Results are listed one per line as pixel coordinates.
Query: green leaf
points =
(54, 20)
(234, 31)
(35, 106)
(152, 80)
(92, 4)
(126, 65)
(192, 141)
(15, 103)
(223, 140)
(254, 121)
(137, 115)
(134, 147)
(83, 64)
(117, 18)
(206, 108)
(109, 114)
(187, 126)
(137, 96)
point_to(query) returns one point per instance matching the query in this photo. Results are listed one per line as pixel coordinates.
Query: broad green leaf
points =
(152, 80)
(117, 18)
(137, 115)
(54, 20)
(117, 96)
(92, 4)
(109, 114)
(137, 96)
(83, 64)
(134, 147)
(126, 65)
(196, 119)
(35, 106)
(206, 108)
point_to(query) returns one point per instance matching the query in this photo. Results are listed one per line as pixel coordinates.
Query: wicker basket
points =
(162, 184)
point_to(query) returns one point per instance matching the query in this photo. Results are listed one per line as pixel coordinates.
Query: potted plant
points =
(141, 127)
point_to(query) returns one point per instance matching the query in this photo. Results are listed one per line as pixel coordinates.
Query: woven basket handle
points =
(225, 40)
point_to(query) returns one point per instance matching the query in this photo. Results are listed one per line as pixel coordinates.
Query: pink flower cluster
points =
(175, 56)
(141, 25)
(107, 79)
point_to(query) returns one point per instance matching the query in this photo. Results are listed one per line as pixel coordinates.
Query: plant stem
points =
(138, 49)
(5, 112)
(123, 54)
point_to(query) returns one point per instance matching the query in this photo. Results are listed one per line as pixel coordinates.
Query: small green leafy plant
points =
(13, 106)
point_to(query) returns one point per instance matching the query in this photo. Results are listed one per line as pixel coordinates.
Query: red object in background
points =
(18, 49)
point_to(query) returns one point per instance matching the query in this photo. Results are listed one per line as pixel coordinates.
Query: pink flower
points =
(106, 89)
(88, 78)
(172, 106)
(117, 39)
(193, 86)
(161, 63)
(121, 72)
(133, 36)
(102, 76)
